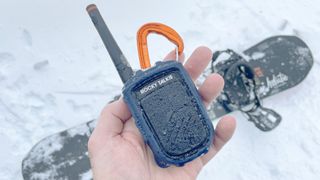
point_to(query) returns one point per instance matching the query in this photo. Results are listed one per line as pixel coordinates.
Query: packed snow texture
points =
(55, 73)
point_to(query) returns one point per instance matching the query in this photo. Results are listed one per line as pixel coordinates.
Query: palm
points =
(117, 149)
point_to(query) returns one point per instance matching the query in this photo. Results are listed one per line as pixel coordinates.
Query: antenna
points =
(118, 59)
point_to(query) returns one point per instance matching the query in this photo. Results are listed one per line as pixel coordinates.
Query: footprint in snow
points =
(283, 25)
(40, 65)
(5, 58)
(26, 37)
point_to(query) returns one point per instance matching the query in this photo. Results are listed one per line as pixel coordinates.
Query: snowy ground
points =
(55, 74)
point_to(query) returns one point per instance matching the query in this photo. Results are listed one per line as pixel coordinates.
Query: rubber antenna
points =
(119, 60)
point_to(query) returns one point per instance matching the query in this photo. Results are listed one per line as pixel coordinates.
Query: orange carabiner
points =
(157, 28)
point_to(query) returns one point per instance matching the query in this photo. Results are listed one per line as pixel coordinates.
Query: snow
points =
(55, 74)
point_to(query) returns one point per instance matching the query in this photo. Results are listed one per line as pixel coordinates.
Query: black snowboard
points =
(281, 61)
(60, 156)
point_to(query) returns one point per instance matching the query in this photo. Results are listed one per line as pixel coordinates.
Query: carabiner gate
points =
(157, 28)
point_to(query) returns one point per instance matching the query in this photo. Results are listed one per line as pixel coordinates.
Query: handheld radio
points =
(163, 99)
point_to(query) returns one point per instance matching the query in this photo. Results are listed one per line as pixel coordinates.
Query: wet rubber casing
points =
(169, 113)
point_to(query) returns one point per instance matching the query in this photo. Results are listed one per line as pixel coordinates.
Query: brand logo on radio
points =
(154, 85)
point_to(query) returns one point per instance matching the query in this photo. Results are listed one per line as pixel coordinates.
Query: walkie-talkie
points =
(164, 103)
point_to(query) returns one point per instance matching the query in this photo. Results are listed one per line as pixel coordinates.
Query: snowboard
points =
(281, 62)
(60, 156)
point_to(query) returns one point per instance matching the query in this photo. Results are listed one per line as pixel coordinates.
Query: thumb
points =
(223, 134)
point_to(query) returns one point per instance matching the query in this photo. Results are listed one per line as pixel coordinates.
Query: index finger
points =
(198, 61)
(111, 121)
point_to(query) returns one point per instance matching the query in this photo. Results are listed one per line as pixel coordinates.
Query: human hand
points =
(117, 149)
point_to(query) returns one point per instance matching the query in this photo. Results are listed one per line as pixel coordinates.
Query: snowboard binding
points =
(240, 90)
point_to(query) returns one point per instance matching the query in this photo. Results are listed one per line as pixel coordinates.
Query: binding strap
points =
(240, 91)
